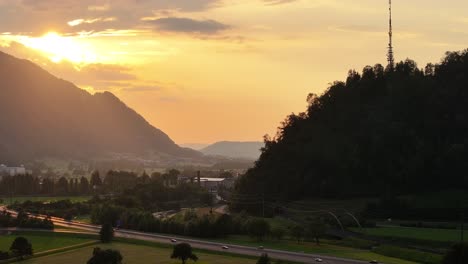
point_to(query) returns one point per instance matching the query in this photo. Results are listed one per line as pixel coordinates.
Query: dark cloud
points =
(188, 25)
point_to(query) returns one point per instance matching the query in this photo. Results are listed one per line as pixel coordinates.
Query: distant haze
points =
(233, 149)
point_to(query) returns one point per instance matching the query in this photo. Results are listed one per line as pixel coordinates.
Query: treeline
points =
(382, 132)
(23, 220)
(112, 182)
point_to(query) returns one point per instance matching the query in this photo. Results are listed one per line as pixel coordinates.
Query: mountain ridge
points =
(42, 115)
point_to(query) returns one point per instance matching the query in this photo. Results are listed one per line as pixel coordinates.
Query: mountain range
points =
(234, 149)
(44, 116)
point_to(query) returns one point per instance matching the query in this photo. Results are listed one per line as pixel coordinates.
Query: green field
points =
(324, 248)
(20, 199)
(136, 254)
(428, 234)
(43, 241)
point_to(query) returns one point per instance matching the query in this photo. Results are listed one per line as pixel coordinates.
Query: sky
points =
(211, 70)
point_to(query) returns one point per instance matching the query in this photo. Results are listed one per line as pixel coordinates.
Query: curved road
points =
(212, 246)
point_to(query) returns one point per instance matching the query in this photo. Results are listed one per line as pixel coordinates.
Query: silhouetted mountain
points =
(41, 115)
(381, 133)
(233, 149)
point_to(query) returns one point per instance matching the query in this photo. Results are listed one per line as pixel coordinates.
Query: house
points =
(213, 184)
(12, 171)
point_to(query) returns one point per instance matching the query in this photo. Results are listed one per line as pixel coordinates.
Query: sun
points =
(58, 48)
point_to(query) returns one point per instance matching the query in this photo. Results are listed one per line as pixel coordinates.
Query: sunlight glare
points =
(58, 48)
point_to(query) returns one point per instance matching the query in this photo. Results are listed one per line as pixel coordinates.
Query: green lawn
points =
(428, 234)
(308, 247)
(20, 199)
(42, 241)
(136, 254)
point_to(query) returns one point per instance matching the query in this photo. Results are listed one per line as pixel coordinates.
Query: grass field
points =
(42, 241)
(324, 249)
(20, 199)
(136, 254)
(428, 234)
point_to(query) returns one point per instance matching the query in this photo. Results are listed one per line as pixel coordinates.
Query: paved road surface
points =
(213, 246)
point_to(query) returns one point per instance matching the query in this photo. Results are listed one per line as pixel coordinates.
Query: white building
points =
(12, 171)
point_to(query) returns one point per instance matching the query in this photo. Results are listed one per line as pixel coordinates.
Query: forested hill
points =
(381, 132)
(44, 116)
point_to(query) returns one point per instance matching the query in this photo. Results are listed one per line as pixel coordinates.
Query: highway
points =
(207, 245)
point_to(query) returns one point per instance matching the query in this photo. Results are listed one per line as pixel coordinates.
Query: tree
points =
(107, 233)
(278, 232)
(297, 231)
(21, 248)
(258, 228)
(264, 259)
(458, 254)
(183, 251)
(316, 229)
(95, 179)
(84, 185)
(107, 256)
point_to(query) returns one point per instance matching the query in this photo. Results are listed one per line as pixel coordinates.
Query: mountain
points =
(233, 149)
(380, 133)
(195, 146)
(44, 116)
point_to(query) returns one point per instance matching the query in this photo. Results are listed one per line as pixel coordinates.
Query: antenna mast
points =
(390, 58)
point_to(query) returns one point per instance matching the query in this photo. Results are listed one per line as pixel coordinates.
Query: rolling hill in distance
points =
(234, 149)
(44, 116)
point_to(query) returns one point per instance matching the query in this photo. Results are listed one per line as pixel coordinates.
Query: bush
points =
(458, 254)
(264, 259)
(108, 256)
(4, 255)
(21, 248)
(183, 251)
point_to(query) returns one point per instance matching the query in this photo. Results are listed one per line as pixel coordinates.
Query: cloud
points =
(188, 25)
(278, 2)
(141, 88)
(34, 17)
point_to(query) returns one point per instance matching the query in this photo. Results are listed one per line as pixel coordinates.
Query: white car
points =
(173, 240)
(261, 247)
(318, 260)
(225, 247)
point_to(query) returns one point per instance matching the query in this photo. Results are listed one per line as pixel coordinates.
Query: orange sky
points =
(209, 70)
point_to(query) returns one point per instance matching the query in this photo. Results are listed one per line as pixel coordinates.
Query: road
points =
(207, 245)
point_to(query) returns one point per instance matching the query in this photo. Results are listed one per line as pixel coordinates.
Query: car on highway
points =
(225, 247)
(173, 240)
(261, 248)
(374, 262)
(318, 260)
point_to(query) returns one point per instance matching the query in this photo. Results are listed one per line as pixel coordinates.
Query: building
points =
(213, 184)
(11, 171)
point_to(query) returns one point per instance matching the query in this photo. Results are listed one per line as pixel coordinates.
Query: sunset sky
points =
(210, 70)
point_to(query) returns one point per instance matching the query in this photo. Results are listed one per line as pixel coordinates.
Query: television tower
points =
(390, 58)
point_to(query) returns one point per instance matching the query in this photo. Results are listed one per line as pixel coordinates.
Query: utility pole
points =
(263, 205)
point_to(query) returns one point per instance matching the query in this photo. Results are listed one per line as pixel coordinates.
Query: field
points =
(136, 254)
(325, 248)
(20, 199)
(45, 241)
(428, 234)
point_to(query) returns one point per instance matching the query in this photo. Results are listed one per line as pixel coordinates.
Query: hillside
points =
(233, 149)
(380, 133)
(43, 116)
